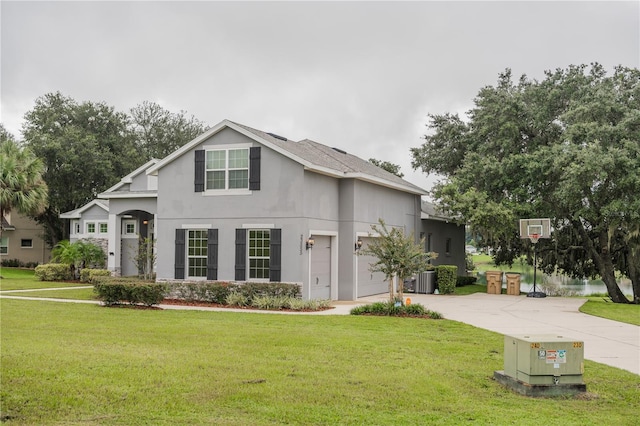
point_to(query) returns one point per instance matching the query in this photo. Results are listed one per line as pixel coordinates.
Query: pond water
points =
(562, 285)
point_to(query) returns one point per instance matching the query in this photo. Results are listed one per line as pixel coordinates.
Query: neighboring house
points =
(239, 204)
(23, 240)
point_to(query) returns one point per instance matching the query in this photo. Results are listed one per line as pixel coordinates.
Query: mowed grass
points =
(23, 279)
(600, 307)
(84, 364)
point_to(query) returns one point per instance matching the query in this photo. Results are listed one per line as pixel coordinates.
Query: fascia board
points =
(77, 213)
(113, 195)
(382, 182)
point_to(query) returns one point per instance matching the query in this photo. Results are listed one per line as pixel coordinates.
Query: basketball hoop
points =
(534, 238)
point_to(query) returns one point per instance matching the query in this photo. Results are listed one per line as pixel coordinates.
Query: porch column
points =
(113, 262)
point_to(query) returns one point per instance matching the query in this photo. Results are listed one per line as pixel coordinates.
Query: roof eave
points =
(120, 195)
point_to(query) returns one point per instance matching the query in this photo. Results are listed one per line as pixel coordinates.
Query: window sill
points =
(220, 192)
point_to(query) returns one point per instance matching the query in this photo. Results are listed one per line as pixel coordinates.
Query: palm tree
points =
(21, 184)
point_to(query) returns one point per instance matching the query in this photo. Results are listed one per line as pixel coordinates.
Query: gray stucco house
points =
(239, 204)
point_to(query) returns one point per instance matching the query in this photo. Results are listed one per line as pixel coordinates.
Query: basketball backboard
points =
(539, 227)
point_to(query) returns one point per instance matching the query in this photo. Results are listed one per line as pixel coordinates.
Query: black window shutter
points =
(180, 254)
(212, 254)
(275, 260)
(199, 170)
(241, 254)
(254, 168)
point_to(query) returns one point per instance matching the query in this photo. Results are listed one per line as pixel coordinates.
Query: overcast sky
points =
(361, 76)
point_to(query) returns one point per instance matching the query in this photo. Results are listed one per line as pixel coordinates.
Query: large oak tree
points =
(566, 147)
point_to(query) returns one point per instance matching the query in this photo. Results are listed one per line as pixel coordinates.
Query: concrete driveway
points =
(608, 342)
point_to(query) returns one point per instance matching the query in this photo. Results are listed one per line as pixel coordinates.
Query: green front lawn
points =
(85, 364)
(23, 279)
(600, 307)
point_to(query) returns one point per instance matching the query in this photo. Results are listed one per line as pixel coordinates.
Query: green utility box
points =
(544, 359)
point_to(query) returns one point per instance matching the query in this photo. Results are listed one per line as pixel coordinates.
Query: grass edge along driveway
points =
(85, 364)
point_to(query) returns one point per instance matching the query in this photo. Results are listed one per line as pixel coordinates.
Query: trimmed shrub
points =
(11, 263)
(252, 290)
(219, 291)
(53, 272)
(394, 309)
(203, 291)
(86, 275)
(446, 278)
(462, 280)
(113, 291)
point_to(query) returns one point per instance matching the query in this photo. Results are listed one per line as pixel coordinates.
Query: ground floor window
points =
(26, 243)
(259, 253)
(4, 245)
(197, 253)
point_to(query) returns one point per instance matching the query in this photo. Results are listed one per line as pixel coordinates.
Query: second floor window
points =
(227, 169)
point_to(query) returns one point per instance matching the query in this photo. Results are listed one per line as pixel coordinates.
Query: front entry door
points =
(321, 268)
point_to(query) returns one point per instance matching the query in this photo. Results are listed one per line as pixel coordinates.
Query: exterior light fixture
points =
(145, 222)
(358, 245)
(310, 243)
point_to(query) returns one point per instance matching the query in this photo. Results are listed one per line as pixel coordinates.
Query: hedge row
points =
(17, 263)
(53, 272)
(114, 291)
(220, 292)
(87, 275)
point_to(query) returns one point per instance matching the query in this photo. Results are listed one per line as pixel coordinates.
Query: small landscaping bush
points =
(208, 292)
(53, 272)
(113, 291)
(462, 281)
(395, 309)
(86, 275)
(242, 294)
(11, 263)
(237, 299)
(269, 302)
(446, 278)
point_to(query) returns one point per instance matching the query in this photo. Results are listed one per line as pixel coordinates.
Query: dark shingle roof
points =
(331, 158)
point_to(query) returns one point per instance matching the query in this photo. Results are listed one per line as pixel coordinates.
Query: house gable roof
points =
(129, 178)
(77, 213)
(312, 155)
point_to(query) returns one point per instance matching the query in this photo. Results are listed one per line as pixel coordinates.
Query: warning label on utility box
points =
(556, 356)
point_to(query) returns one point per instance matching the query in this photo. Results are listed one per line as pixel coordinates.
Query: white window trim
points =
(248, 276)
(86, 228)
(7, 246)
(99, 231)
(186, 247)
(126, 234)
(227, 191)
(26, 247)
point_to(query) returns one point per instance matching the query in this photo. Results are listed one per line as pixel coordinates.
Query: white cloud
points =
(358, 75)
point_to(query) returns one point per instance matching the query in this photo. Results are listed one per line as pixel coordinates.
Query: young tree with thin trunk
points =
(398, 256)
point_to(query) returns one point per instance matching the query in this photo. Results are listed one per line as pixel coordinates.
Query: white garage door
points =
(369, 283)
(321, 268)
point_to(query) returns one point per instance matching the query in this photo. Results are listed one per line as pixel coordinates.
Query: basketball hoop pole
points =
(534, 240)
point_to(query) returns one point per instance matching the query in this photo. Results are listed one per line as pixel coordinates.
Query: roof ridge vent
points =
(282, 138)
(339, 150)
